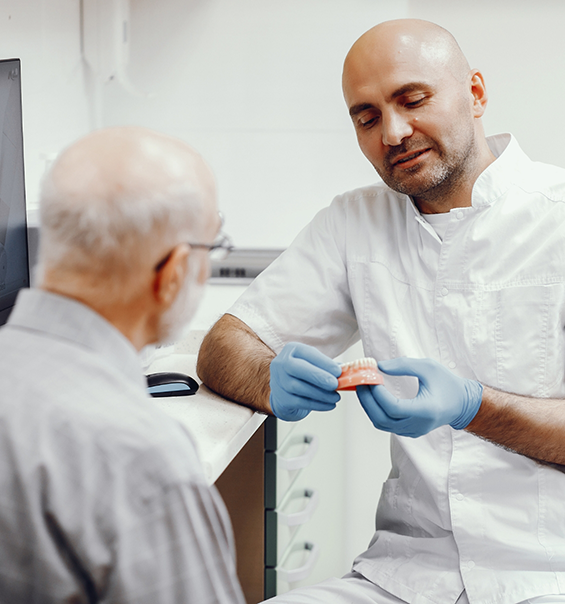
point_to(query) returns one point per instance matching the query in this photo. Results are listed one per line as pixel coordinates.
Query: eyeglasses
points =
(218, 251)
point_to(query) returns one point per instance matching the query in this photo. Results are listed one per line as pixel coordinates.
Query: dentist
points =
(457, 261)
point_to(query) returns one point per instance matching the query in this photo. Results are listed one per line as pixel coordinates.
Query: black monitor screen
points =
(14, 270)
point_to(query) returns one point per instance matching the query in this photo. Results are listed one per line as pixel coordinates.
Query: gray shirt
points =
(102, 496)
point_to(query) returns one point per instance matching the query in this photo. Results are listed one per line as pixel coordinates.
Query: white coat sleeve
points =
(304, 295)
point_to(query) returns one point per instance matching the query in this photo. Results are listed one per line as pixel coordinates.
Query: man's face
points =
(413, 120)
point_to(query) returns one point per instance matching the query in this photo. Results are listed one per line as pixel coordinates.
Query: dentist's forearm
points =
(534, 427)
(235, 363)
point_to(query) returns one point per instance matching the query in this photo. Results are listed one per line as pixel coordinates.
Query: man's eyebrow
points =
(407, 88)
(359, 108)
(411, 87)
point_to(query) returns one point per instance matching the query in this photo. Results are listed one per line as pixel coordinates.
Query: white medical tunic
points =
(488, 301)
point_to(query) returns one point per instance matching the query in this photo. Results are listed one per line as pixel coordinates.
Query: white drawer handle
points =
(302, 572)
(303, 516)
(300, 461)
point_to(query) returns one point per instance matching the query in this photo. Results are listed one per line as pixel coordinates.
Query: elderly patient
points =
(102, 497)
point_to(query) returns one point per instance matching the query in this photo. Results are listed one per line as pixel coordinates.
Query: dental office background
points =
(255, 86)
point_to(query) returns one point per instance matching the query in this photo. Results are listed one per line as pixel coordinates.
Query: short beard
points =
(443, 178)
(175, 322)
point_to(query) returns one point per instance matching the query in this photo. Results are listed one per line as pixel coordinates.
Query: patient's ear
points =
(169, 278)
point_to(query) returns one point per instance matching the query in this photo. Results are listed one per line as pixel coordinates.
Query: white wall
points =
(45, 35)
(255, 86)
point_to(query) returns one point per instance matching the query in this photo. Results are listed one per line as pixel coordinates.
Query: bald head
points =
(118, 199)
(422, 43)
(108, 164)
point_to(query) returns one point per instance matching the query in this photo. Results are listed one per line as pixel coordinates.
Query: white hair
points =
(107, 232)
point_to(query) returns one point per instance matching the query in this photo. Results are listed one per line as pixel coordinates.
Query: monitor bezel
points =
(9, 301)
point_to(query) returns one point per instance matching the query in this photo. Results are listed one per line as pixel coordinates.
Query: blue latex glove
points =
(302, 380)
(443, 398)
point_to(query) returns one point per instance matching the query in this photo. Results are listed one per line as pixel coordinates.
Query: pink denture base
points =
(356, 373)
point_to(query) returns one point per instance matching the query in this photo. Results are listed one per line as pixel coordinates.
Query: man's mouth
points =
(409, 158)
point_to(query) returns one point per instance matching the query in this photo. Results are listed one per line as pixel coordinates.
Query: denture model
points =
(361, 371)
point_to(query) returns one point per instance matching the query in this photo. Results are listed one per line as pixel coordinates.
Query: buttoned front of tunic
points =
(488, 302)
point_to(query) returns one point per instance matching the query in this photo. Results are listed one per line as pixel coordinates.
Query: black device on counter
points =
(171, 384)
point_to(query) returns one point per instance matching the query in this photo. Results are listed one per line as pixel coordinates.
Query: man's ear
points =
(479, 93)
(170, 277)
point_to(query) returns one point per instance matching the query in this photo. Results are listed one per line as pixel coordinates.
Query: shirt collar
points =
(64, 318)
(499, 176)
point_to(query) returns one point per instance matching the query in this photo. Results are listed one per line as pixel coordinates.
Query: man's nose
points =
(395, 128)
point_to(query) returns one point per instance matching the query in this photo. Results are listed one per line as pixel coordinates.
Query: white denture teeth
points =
(359, 372)
(360, 363)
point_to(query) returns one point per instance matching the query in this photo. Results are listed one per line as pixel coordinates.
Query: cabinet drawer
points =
(285, 466)
(297, 565)
(295, 511)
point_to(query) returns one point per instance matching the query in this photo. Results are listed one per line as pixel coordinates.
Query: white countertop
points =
(219, 427)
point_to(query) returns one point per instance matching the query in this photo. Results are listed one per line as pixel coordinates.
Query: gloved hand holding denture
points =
(443, 398)
(303, 379)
